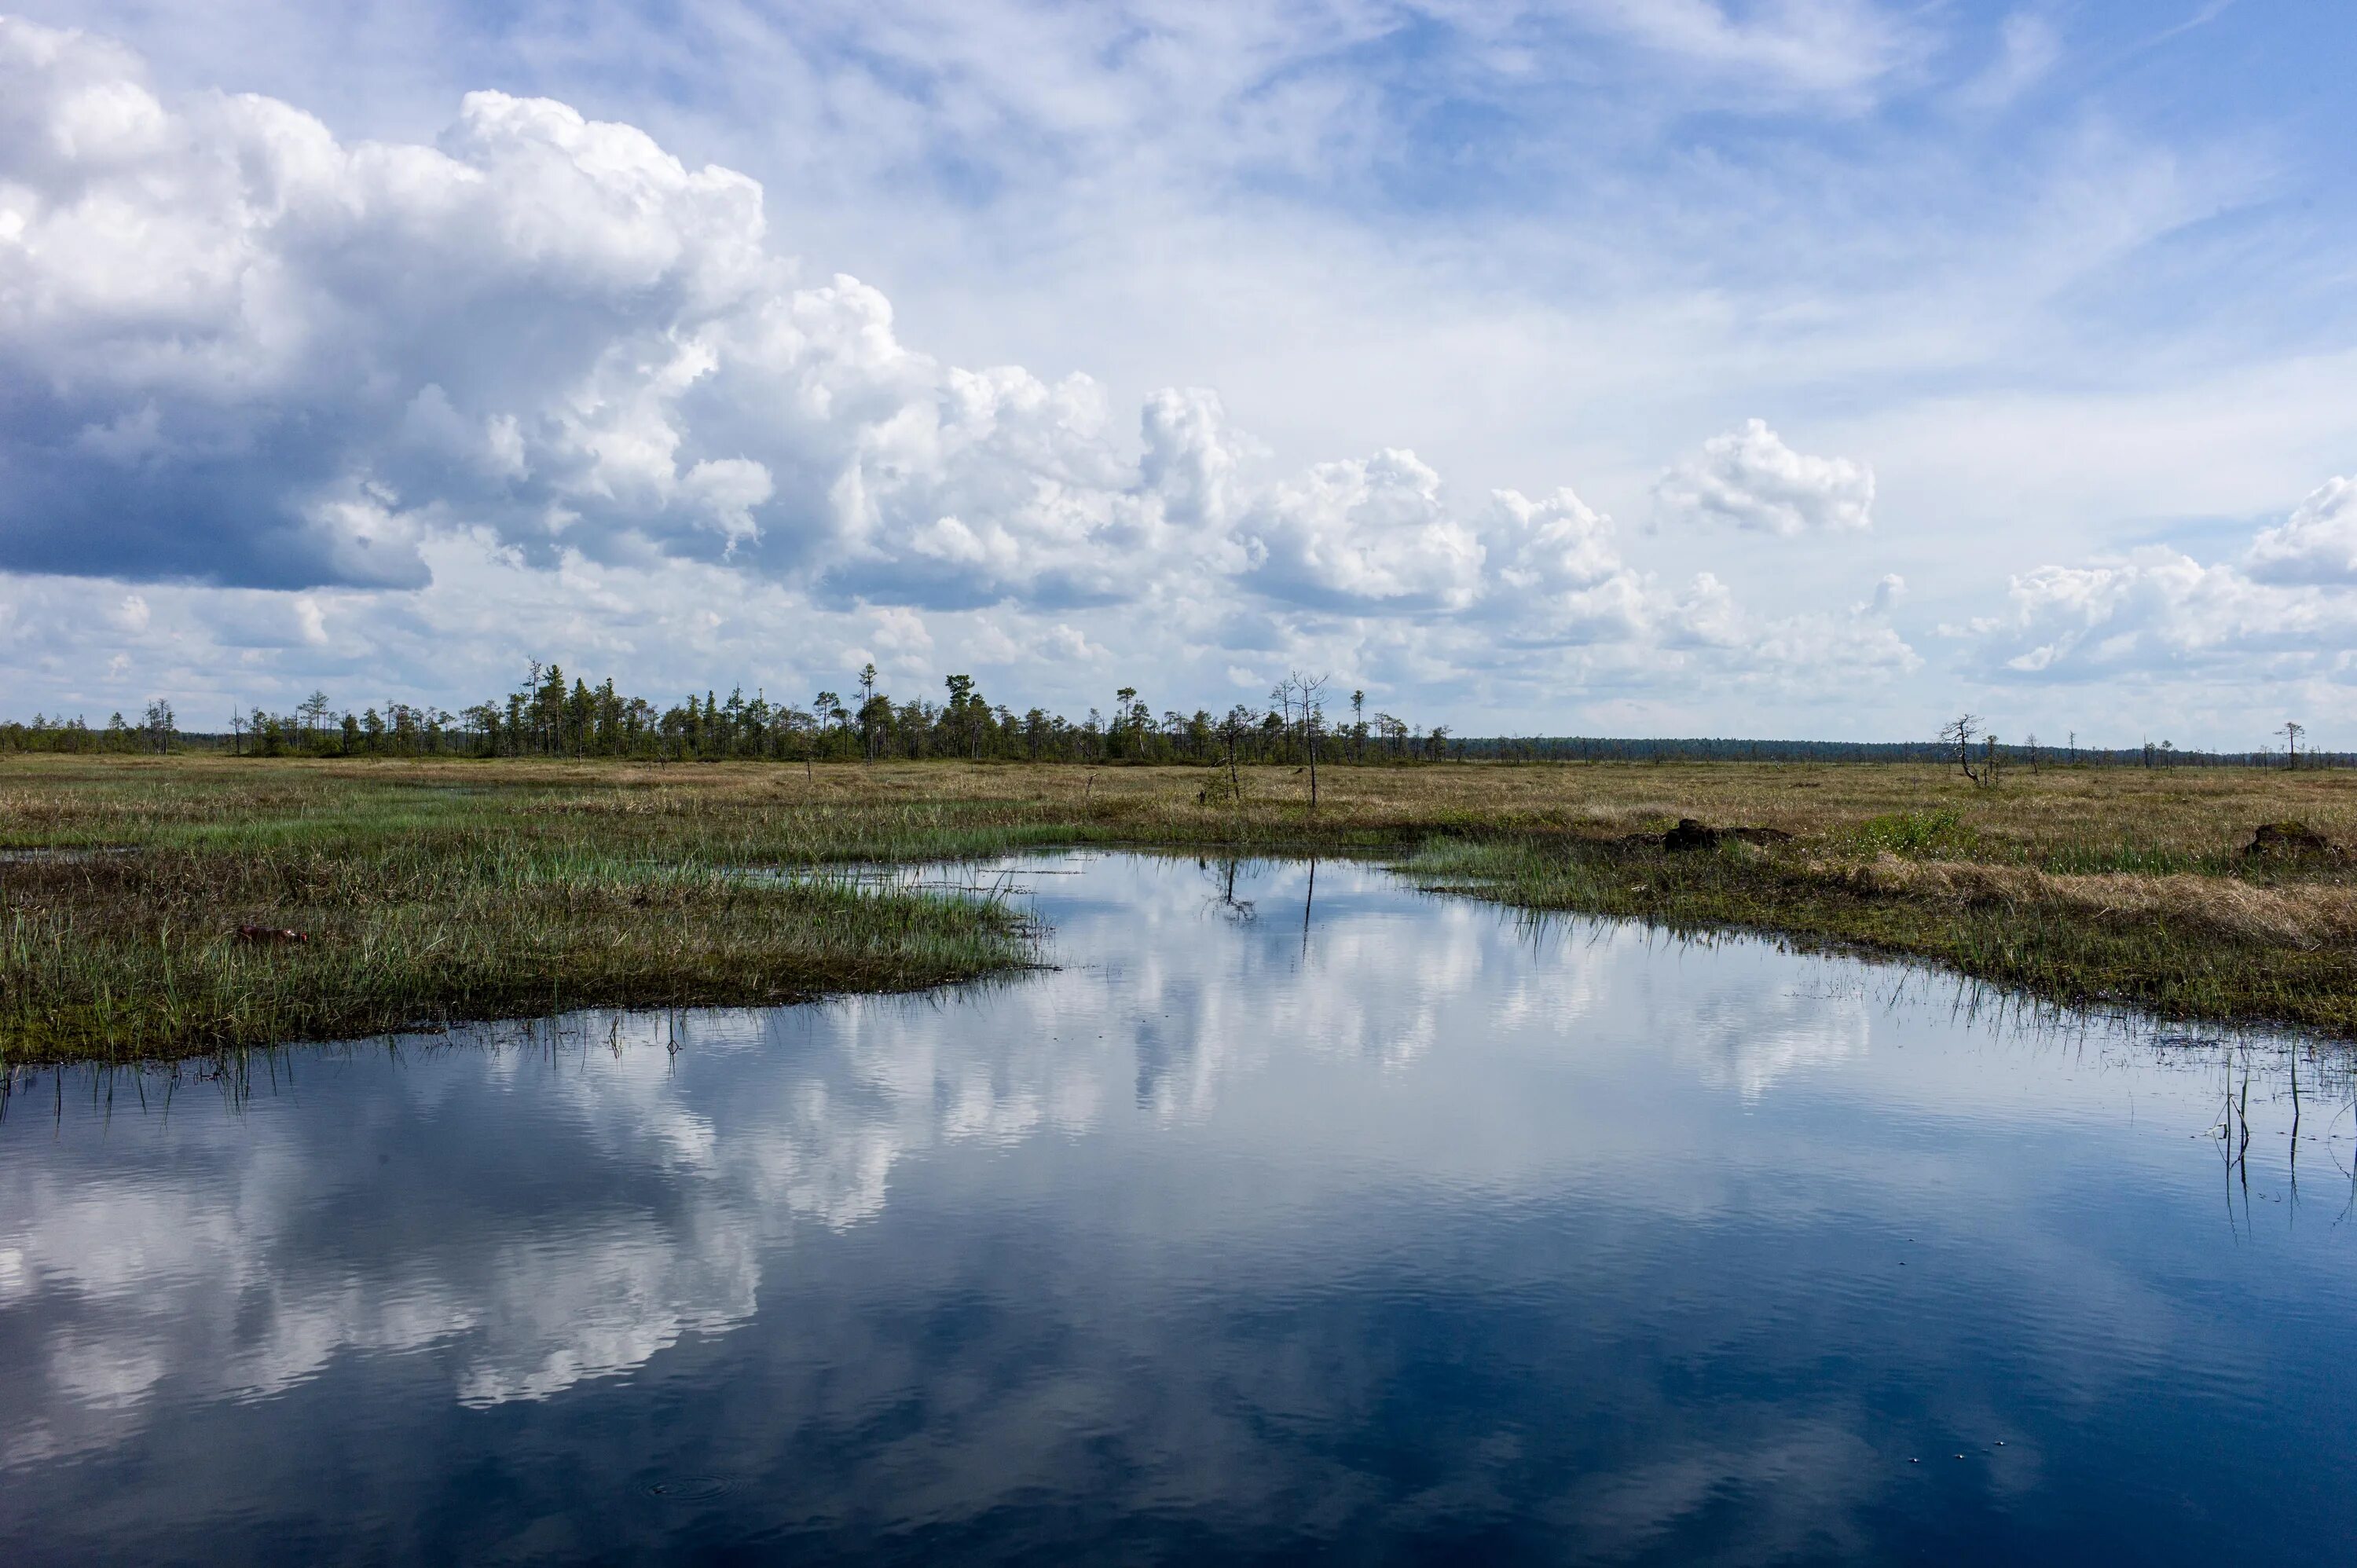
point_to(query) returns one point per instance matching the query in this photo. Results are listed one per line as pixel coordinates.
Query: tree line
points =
(551, 713)
(2029, 752)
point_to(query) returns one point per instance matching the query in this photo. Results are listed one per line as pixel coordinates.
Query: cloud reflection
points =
(1364, 1216)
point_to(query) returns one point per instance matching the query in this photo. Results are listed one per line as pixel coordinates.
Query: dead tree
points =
(1959, 736)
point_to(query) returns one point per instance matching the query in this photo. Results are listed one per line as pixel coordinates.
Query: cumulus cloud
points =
(1750, 478)
(242, 350)
(2283, 612)
(544, 362)
(1369, 532)
(2317, 544)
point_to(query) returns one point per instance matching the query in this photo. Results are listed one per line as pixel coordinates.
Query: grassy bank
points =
(466, 889)
(422, 899)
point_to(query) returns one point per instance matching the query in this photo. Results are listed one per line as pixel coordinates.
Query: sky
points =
(1759, 368)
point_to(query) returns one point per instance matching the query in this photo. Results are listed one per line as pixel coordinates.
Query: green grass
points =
(419, 913)
(1941, 831)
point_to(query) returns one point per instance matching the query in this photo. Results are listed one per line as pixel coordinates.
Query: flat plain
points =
(442, 890)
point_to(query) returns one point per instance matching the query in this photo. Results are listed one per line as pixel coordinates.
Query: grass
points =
(423, 902)
(436, 890)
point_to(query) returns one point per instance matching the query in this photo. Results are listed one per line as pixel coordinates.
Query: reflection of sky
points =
(1409, 1220)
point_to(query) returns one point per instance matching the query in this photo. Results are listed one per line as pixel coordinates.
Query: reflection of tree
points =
(1223, 899)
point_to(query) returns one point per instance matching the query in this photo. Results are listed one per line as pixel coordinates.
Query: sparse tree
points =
(1232, 733)
(1300, 693)
(2291, 732)
(313, 714)
(159, 725)
(867, 709)
(1958, 737)
(1121, 734)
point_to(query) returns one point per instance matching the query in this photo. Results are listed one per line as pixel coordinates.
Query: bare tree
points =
(160, 724)
(1313, 722)
(2291, 732)
(1959, 736)
(1231, 729)
(1300, 692)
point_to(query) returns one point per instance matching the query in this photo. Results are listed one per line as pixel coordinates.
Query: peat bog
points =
(429, 891)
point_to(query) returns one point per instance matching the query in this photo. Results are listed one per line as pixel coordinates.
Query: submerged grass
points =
(463, 889)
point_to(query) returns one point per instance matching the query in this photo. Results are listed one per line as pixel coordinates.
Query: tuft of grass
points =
(1941, 831)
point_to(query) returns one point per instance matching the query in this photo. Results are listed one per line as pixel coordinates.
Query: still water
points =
(1372, 1227)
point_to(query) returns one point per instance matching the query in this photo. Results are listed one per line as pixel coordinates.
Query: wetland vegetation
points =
(429, 890)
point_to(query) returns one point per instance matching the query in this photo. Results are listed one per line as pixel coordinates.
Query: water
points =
(1390, 1229)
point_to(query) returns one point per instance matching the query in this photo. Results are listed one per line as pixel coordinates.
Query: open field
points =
(465, 889)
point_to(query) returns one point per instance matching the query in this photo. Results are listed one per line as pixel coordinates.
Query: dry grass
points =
(474, 889)
(2061, 821)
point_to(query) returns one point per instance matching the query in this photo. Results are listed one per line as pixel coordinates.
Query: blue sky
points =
(1790, 367)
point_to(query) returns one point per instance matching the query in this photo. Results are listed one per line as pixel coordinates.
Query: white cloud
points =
(2282, 614)
(544, 386)
(1749, 477)
(1840, 49)
(2317, 544)
(1372, 531)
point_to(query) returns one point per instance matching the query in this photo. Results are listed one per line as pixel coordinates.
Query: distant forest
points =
(550, 715)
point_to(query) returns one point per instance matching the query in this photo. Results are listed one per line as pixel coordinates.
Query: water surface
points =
(1370, 1227)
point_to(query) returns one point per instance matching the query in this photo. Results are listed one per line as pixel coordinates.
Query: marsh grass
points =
(2182, 946)
(465, 890)
(422, 910)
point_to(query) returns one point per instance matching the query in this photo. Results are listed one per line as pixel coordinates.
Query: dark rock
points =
(2287, 838)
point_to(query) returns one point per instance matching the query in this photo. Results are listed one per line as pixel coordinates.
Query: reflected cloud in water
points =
(1272, 1219)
